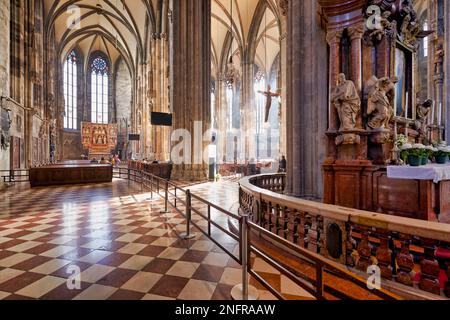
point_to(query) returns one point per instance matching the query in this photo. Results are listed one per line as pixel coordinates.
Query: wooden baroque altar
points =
(373, 98)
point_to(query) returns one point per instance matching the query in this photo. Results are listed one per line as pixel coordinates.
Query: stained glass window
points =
(99, 90)
(425, 40)
(70, 92)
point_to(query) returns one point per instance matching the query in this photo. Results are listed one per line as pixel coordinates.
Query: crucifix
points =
(269, 95)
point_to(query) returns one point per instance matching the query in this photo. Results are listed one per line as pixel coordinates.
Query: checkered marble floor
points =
(121, 242)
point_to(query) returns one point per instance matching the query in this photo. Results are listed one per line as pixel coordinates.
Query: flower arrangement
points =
(415, 154)
(441, 154)
(401, 141)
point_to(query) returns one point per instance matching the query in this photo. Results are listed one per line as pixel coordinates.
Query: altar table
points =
(434, 172)
(63, 174)
(433, 188)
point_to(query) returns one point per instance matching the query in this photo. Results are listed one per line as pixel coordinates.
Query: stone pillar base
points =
(189, 173)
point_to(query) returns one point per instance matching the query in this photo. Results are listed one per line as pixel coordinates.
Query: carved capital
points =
(334, 36)
(356, 32)
(283, 4)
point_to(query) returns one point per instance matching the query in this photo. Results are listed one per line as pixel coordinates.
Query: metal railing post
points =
(166, 197)
(128, 177)
(175, 200)
(188, 235)
(151, 186)
(244, 291)
(209, 221)
(244, 248)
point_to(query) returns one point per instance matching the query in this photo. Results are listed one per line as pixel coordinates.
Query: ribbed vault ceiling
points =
(116, 27)
(254, 25)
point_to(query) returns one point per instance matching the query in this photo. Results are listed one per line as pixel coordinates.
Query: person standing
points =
(283, 165)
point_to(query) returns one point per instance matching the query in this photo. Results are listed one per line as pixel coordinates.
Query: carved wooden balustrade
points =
(411, 252)
(274, 182)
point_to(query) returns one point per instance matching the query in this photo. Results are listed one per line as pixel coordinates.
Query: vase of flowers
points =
(441, 155)
(416, 154)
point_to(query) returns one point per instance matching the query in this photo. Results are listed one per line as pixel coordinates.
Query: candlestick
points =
(395, 131)
(440, 114)
(407, 105)
(432, 113)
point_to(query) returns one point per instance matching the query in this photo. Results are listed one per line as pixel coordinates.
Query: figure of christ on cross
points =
(269, 95)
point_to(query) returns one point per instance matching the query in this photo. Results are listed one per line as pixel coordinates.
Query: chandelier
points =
(231, 75)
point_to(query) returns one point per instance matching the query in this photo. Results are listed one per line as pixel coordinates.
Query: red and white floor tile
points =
(122, 244)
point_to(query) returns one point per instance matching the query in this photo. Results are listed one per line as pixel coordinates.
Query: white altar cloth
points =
(435, 172)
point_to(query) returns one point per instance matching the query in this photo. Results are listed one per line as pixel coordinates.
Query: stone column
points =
(334, 41)
(446, 89)
(282, 85)
(306, 100)
(4, 73)
(191, 78)
(356, 33)
(221, 114)
(157, 92)
(248, 120)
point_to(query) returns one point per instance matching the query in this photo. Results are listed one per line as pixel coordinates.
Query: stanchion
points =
(244, 291)
(209, 221)
(166, 198)
(151, 187)
(188, 235)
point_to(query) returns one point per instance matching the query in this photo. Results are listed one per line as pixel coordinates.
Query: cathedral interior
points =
(224, 150)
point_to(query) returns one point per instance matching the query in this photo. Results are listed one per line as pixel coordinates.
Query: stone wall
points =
(4, 68)
(123, 92)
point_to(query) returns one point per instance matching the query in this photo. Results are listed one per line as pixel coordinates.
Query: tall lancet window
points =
(70, 92)
(99, 91)
(426, 42)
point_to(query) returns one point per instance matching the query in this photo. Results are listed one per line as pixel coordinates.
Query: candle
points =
(440, 114)
(432, 113)
(407, 105)
(395, 131)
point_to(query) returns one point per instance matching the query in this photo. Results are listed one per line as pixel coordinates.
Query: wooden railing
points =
(410, 252)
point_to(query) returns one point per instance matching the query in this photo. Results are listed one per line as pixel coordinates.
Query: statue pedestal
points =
(347, 145)
(379, 149)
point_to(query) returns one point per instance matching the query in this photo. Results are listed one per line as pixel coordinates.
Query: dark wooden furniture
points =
(162, 170)
(361, 185)
(63, 174)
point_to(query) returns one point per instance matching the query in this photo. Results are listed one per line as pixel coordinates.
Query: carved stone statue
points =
(52, 131)
(346, 100)
(423, 110)
(51, 104)
(410, 30)
(423, 113)
(379, 103)
(439, 60)
(386, 26)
